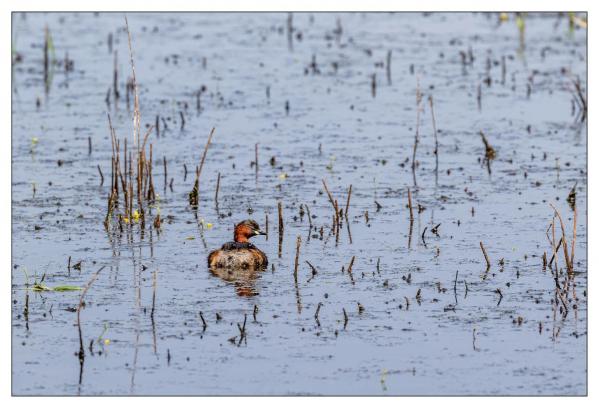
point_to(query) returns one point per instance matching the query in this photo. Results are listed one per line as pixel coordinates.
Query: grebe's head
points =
(247, 229)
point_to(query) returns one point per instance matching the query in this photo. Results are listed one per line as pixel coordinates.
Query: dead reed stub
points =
(255, 312)
(154, 285)
(436, 151)
(490, 153)
(410, 205)
(347, 203)
(101, 175)
(241, 328)
(317, 312)
(281, 227)
(89, 145)
(165, 170)
(194, 194)
(266, 224)
(417, 134)
(204, 324)
(216, 191)
(81, 353)
(115, 78)
(349, 270)
(314, 271)
(298, 243)
(373, 85)
(498, 291)
(345, 319)
(482, 247)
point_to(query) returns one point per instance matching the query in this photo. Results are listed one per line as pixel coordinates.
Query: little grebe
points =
(240, 254)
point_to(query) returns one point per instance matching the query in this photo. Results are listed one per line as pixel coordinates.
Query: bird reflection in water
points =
(243, 279)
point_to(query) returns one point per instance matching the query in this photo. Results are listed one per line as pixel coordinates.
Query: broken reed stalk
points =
(165, 171)
(217, 188)
(317, 312)
(101, 175)
(204, 324)
(410, 205)
(153, 295)
(80, 305)
(46, 57)
(281, 227)
(482, 247)
(337, 222)
(569, 260)
(298, 243)
(345, 319)
(324, 183)
(430, 101)
(417, 134)
(266, 224)
(349, 270)
(309, 217)
(194, 194)
(115, 78)
(347, 204)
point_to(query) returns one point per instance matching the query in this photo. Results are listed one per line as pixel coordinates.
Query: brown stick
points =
(485, 254)
(298, 243)
(347, 204)
(281, 227)
(89, 283)
(217, 188)
(349, 269)
(410, 204)
(101, 176)
(328, 193)
(430, 100)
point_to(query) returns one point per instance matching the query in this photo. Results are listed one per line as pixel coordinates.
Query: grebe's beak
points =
(259, 232)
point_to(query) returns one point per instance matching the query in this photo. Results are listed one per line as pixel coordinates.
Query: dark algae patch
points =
(421, 180)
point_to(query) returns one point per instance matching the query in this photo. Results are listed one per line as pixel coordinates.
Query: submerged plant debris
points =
(405, 255)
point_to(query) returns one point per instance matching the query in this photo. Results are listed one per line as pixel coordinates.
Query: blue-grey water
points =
(456, 336)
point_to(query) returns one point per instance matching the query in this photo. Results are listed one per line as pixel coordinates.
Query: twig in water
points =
(193, 195)
(281, 227)
(101, 175)
(347, 204)
(486, 256)
(498, 291)
(410, 204)
(298, 243)
(417, 134)
(204, 324)
(314, 271)
(430, 101)
(316, 314)
(349, 269)
(81, 354)
(217, 188)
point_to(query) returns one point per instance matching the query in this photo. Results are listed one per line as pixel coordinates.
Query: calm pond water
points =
(424, 314)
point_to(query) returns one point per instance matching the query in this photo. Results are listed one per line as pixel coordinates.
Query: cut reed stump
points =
(194, 194)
